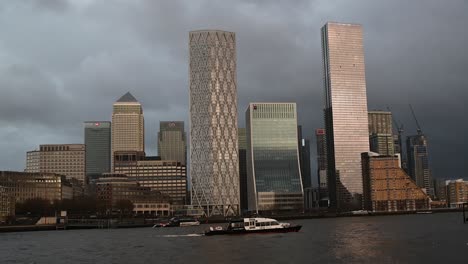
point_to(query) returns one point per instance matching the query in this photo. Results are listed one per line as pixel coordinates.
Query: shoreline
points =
(28, 228)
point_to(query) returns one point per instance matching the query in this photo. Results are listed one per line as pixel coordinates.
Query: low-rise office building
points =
(116, 188)
(388, 188)
(7, 204)
(165, 176)
(26, 185)
(63, 159)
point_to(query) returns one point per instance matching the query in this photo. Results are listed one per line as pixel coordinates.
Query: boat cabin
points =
(257, 223)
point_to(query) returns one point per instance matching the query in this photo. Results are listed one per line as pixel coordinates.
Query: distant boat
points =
(253, 225)
(424, 212)
(173, 222)
(360, 212)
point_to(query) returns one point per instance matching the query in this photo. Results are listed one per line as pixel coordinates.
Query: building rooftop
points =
(127, 98)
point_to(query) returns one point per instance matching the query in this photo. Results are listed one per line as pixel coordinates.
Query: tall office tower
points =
(380, 132)
(63, 159)
(214, 164)
(346, 121)
(304, 158)
(242, 140)
(418, 162)
(273, 169)
(128, 126)
(322, 166)
(172, 144)
(98, 147)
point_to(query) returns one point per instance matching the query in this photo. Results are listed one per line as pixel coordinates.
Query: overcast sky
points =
(63, 62)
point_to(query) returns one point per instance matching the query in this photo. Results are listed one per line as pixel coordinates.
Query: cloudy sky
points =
(63, 62)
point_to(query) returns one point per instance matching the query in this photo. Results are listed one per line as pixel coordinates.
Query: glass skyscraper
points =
(418, 162)
(98, 147)
(243, 169)
(304, 158)
(214, 164)
(346, 121)
(274, 175)
(172, 143)
(380, 132)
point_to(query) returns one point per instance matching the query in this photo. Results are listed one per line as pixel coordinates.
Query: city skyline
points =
(58, 118)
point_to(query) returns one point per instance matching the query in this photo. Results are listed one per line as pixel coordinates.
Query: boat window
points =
(275, 223)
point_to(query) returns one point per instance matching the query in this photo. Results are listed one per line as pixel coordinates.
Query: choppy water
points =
(436, 238)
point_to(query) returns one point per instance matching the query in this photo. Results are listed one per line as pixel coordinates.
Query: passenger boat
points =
(253, 225)
(173, 222)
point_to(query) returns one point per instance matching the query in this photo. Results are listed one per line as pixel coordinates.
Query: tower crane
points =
(415, 119)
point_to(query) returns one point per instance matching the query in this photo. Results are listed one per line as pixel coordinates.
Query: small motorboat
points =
(173, 222)
(253, 225)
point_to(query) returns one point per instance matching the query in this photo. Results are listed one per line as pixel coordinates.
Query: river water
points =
(431, 238)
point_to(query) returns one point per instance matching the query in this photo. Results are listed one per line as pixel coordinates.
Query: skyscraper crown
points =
(127, 98)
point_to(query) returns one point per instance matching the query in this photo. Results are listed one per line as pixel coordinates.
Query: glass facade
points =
(214, 163)
(243, 169)
(304, 159)
(418, 162)
(98, 147)
(322, 166)
(274, 176)
(345, 112)
(380, 132)
(172, 143)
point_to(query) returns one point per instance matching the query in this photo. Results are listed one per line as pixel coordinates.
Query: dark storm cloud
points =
(64, 62)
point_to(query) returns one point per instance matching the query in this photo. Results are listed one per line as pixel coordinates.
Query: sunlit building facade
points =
(214, 161)
(274, 175)
(7, 203)
(387, 187)
(380, 132)
(33, 161)
(63, 159)
(457, 193)
(166, 176)
(346, 121)
(128, 126)
(28, 185)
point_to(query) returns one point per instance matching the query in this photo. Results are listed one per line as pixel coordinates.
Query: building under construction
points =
(387, 187)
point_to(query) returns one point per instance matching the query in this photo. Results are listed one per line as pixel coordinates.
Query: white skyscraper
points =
(214, 166)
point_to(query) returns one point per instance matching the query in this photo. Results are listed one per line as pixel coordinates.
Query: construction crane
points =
(415, 119)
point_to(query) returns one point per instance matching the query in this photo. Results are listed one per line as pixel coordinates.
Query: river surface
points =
(430, 238)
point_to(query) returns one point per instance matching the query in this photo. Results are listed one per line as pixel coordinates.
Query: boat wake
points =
(186, 235)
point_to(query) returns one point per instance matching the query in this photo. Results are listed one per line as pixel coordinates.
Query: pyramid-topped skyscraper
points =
(128, 125)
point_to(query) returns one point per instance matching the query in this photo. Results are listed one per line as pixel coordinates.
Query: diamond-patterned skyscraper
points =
(213, 122)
